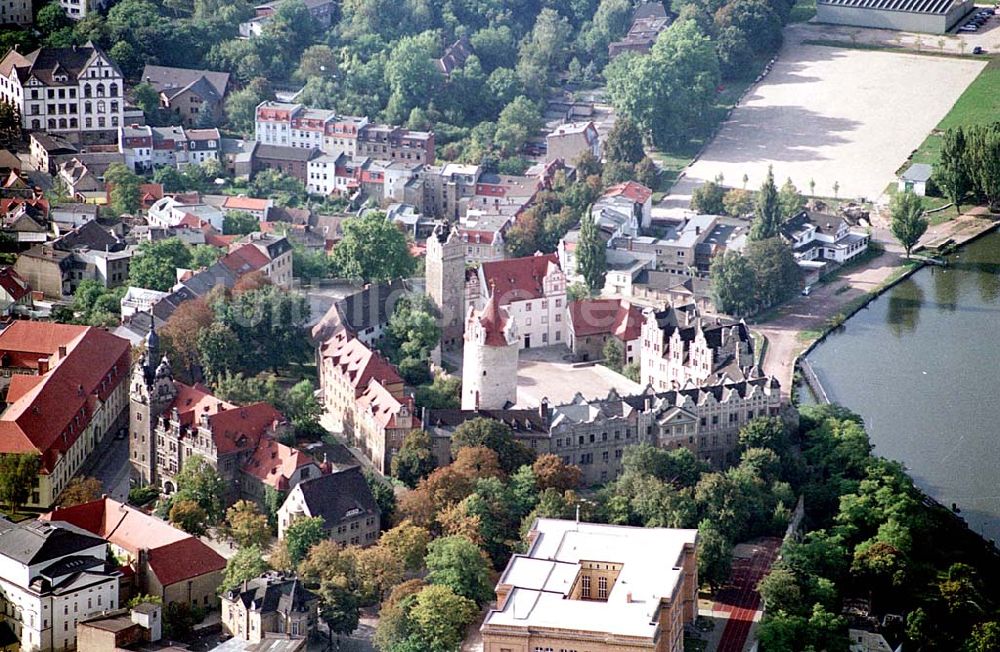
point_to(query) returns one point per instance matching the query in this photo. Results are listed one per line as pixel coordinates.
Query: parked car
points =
(977, 50)
(807, 290)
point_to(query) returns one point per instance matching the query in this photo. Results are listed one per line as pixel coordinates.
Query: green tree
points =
(457, 563)
(247, 564)
(409, 543)
(268, 324)
(51, 18)
(124, 188)
(411, 75)
(444, 393)
(339, 606)
(10, 126)
(308, 264)
(518, 122)
(984, 637)
(738, 202)
(494, 435)
(767, 211)
(715, 554)
(18, 473)
(983, 147)
(147, 99)
(241, 105)
(624, 142)
(952, 174)
(219, 350)
(198, 481)
(733, 283)
(373, 249)
(204, 256)
(384, 496)
(302, 535)
(543, 51)
(613, 354)
(189, 516)
(780, 590)
(239, 223)
(439, 616)
(764, 432)
(591, 255)
(789, 199)
(155, 265)
(414, 459)
(708, 199)
(776, 273)
(908, 221)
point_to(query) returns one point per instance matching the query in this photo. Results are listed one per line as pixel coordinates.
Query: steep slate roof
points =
(335, 495)
(172, 81)
(368, 307)
(42, 418)
(34, 542)
(44, 63)
(272, 592)
(519, 279)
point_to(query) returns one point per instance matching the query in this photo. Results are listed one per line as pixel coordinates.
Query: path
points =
(740, 599)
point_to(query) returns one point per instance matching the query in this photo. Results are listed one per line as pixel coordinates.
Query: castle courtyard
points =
(544, 373)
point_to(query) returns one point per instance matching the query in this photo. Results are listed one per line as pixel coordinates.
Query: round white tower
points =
(489, 369)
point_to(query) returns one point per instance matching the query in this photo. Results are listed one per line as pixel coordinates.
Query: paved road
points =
(740, 598)
(109, 464)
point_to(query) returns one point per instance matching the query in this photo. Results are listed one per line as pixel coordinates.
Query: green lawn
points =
(979, 104)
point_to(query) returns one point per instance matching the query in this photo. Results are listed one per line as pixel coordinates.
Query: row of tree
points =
(970, 163)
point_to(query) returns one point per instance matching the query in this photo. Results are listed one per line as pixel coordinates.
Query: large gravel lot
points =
(833, 115)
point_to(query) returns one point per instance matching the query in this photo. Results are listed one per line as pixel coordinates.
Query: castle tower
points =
(151, 390)
(445, 269)
(489, 369)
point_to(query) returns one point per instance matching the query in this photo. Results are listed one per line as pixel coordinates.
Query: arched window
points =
(100, 90)
(36, 124)
(86, 90)
(73, 124)
(100, 106)
(52, 123)
(113, 90)
(62, 123)
(88, 107)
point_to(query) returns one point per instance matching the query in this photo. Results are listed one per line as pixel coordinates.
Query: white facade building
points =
(15, 12)
(74, 89)
(489, 358)
(169, 211)
(533, 289)
(52, 576)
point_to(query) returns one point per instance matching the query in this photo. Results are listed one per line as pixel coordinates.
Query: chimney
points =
(62, 352)
(543, 408)
(43, 366)
(628, 597)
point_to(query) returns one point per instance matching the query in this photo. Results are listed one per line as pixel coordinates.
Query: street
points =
(109, 464)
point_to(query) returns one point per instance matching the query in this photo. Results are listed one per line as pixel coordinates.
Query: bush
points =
(143, 495)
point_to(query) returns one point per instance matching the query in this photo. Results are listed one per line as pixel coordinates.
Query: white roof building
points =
(628, 585)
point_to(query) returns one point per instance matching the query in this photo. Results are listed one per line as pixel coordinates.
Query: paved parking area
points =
(833, 115)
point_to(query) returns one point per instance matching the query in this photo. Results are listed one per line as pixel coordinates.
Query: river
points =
(921, 364)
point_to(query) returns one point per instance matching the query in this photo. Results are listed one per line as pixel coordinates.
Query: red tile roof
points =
(632, 190)
(519, 279)
(358, 363)
(606, 316)
(233, 428)
(245, 204)
(10, 203)
(13, 284)
(174, 555)
(245, 259)
(47, 415)
(274, 464)
(493, 319)
(382, 405)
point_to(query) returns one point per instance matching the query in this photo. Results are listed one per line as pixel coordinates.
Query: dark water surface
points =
(922, 365)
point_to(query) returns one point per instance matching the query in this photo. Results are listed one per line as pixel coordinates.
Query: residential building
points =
(26, 220)
(196, 97)
(648, 20)
(916, 178)
(321, 11)
(259, 208)
(89, 251)
(146, 148)
(67, 217)
(363, 314)
(47, 151)
(489, 357)
(342, 499)
(15, 293)
(265, 252)
(64, 90)
(391, 143)
(171, 422)
(570, 141)
(271, 603)
(67, 392)
(484, 242)
(52, 575)
(454, 57)
(157, 558)
(80, 9)
(681, 347)
(139, 300)
(171, 211)
(16, 12)
(819, 240)
(289, 160)
(533, 289)
(624, 210)
(279, 467)
(596, 587)
(592, 323)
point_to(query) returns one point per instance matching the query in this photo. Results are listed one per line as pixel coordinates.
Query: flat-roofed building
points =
(930, 16)
(596, 587)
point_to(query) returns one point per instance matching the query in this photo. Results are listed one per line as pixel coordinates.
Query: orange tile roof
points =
(183, 560)
(245, 204)
(358, 363)
(606, 316)
(12, 282)
(632, 190)
(245, 259)
(233, 427)
(46, 416)
(274, 464)
(382, 405)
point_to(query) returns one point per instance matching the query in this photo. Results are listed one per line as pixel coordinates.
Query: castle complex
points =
(489, 369)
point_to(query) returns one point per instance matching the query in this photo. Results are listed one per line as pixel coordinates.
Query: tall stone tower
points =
(151, 390)
(445, 269)
(489, 368)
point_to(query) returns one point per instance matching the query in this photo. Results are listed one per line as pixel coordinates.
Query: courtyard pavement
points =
(544, 373)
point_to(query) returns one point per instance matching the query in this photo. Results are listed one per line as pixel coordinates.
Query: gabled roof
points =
(170, 81)
(632, 190)
(45, 63)
(273, 463)
(519, 279)
(366, 308)
(48, 417)
(273, 592)
(246, 204)
(357, 362)
(35, 542)
(455, 56)
(606, 316)
(126, 527)
(245, 259)
(184, 560)
(234, 428)
(338, 495)
(383, 407)
(13, 284)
